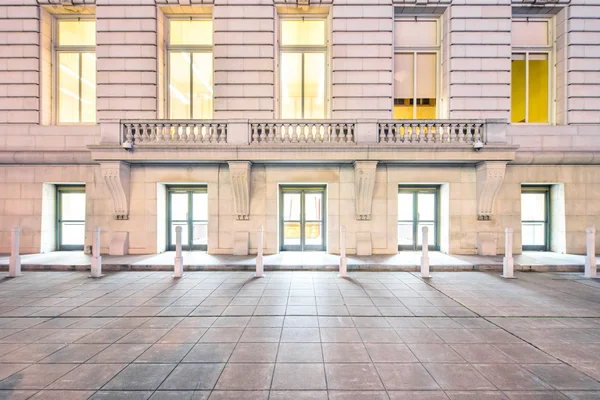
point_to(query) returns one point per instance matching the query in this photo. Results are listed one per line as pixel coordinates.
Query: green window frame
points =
(302, 191)
(60, 222)
(545, 190)
(415, 221)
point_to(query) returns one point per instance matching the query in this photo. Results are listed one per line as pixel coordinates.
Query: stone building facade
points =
(220, 116)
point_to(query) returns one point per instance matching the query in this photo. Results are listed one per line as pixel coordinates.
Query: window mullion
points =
(415, 85)
(526, 86)
(191, 85)
(80, 88)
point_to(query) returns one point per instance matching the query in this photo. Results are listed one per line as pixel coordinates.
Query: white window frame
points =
(303, 49)
(56, 50)
(186, 48)
(548, 50)
(407, 49)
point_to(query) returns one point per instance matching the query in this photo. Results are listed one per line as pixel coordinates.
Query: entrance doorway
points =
(302, 218)
(70, 217)
(535, 218)
(417, 207)
(187, 207)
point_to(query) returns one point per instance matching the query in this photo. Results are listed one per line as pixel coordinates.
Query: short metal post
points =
(425, 254)
(590, 259)
(260, 232)
(508, 264)
(343, 259)
(96, 267)
(14, 266)
(178, 272)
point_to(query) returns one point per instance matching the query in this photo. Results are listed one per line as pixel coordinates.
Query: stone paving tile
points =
(140, 377)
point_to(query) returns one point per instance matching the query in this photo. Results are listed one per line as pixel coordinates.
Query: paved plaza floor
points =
(300, 335)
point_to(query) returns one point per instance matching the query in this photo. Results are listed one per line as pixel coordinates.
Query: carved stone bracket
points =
(490, 175)
(364, 185)
(239, 173)
(116, 176)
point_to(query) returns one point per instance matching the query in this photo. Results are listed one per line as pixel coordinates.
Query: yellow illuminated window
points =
(190, 60)
(530, 94)
(76, 71)
(303, 66)
(415, 68)
(191, 32)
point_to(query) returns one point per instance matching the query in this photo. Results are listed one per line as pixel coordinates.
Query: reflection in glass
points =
(426, 206)
(71, 218)
(200, 206)
(179, 85)
(314, 85)
(405, 206)
(538, 88)
(72, 206)
(291, 85)
(68, 90)
(200, 233)
(291, 233)
(291, 207)
(80, 32)
(313, 234)
(312, 206)
(303, 33)
(179, 206)
(72, 233)
(202, 81)
(191, 32)
(405, 233)
(518, 88)
(533, 206)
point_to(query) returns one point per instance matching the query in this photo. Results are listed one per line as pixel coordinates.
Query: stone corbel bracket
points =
(239, 173)
(490, 175)
(116, 175)
(364, 185)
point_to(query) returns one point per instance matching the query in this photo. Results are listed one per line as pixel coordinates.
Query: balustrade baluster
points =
(413, 133)
(477, 134)
(350, 135)
(422, 136)
(262, 133)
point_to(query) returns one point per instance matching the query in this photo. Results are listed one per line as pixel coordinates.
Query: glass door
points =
(535, 219)
(302, 219)
(417, 207)
(70, 217)
(188, 208)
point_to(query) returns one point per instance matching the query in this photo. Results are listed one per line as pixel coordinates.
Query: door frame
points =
(60, 189)
(303, 189)
(415, 189)
(189, 190)
(547, 215)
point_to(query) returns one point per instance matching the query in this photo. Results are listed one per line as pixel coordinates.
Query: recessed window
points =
(190, 61)
(417, 208)
(530, 71)
(303, 63)
(76, 70)
(415, 68)
(70, 217)
(535, 217)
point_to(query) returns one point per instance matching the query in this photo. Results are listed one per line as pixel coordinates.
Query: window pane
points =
(200, 206)
(538, 88)
(200, 231)
(191, 32)
(291, 233)
(313, 234)
(179, 206)
(72, 206)
(68, 87)
(415, 33)
(179, 85)
(405, 233)
(533, 206)
(532, 33)
(72, 233)
(303, 33)
(533, 234)
(291, 85)
(314, 85)
(88, 87)
(426, 206)
(426, 85)
(517, 87)
(76, 33)
(291, 207)
(312, 206)
(403, 85)
(405, 206)
(202, 85)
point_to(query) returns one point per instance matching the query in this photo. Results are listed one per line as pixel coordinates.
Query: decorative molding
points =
(490, 175)
(239, 173)
(116, 176)
(364, 185)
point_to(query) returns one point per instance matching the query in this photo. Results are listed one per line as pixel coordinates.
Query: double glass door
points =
(417, 207)
(188, 208)
(302, 219)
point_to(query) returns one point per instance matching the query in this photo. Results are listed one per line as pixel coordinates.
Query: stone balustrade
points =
(426, 132)
(303, 132)
(176, 132)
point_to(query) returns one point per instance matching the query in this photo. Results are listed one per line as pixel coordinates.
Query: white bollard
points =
(508, 263)
(260, 232)
(96, 267)
(343, 259)
(425, 254)
(178, 272)
(590, 259)
(14, 266)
